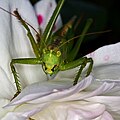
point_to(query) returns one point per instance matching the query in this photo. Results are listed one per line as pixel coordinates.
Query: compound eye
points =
(53, 69)
(44, 66)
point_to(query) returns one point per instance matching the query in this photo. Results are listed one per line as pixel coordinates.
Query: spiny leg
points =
(16, 78)
(81, 61)
(86, 60)
(89, 60)
(21, 61)
(29, 34)
(80, 71)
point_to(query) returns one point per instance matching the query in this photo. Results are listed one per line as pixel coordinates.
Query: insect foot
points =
(82, 66)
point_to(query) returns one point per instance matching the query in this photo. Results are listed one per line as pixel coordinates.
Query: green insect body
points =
(53, 50)
(51, 61)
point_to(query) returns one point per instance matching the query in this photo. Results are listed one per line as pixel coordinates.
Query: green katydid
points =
(53, 51)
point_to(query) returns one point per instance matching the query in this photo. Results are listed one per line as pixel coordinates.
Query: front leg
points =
(82, 62)
(29, 34)
(86, 60)
(15, 74)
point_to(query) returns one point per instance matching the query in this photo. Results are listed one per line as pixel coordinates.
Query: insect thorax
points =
(51, 60)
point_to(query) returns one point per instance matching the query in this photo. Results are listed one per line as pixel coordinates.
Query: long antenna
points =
(93, 33)
(16, 17)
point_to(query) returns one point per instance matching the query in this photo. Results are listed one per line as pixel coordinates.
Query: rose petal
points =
(28, 73)
(13, 116)
(104, 116)
(86, 111)
(3, 111)
(53, 95)
(112, 103)
(15, 43)
(43, 95)
(7, 89)
(5, 40)
(12, 44)
(106, 62)
(111, 52)
(110, 71)
(44, 10)
(101, 88)
(71, 111)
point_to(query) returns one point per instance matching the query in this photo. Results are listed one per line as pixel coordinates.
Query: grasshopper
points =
(54, 51)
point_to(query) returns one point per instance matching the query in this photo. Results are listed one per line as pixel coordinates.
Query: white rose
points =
(94, 98)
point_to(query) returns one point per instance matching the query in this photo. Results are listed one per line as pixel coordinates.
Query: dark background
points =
(105, 15)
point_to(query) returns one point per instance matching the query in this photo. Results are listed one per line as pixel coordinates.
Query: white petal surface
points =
(14, 43)
(93, 98)
(49, 91)
(13, 116)
(106, 55)
(104, 116)
(79, 110)
(44, 101)
(7, 89)
(44, 10)
(29, 73)
(106, 62)
(5, 39)
(112, 103)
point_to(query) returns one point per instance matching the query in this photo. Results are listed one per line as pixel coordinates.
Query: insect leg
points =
(89, 60)
(29, 34)
(21, 61)
(82, 62)
(86, 60)
(75, 50)
(72, 64)
(80, 71)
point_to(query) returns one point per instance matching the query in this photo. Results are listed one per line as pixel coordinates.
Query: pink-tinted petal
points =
(112, 103)
(44, 10)
(111, 52)
(71, 111)
(101, 88)
(85, 111)
(106, 62)
(106, 116)
(57, 92)
(28, 110)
